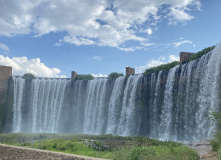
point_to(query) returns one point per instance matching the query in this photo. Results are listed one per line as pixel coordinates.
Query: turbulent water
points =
(168, 105)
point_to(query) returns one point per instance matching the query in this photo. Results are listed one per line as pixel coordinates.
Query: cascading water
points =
(166, 116)
(168, 105)
(37, 104)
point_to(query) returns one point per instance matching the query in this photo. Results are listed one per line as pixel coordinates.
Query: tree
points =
(114, 75)
(161, 67)
(28, 76)
(84, 77)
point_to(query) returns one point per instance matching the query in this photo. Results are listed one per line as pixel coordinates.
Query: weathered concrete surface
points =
(185, 57)
(204, 150)
(8, 152)
(73, 75)
(130, 71)
(5, 74)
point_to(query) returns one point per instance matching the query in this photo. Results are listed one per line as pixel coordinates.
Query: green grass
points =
(103, 146)
(161, 152)
(68, 146)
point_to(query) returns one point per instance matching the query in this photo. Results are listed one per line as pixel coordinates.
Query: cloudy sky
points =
(51, 38)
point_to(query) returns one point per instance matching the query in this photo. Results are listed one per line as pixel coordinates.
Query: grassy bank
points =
(103, 146)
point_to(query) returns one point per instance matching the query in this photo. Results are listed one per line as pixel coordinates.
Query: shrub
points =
(114, 75)
(161, 67)
(219, 153)
(201, 53)
(28, 76)
(216, 141)
(84, 77)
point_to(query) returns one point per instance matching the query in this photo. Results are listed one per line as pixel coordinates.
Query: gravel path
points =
(204, 150)
(8, 152)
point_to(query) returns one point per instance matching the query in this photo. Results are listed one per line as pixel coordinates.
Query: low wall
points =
(20, 153)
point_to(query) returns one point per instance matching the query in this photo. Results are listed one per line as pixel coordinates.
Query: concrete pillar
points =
(130, 71)
(73, 75)
(5, 74)
(185, 57)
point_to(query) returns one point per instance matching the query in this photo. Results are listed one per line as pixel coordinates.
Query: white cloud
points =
(78, 41)
(98, 22)
(150, 64)
(173, 58)
(179, 15)
(99, 75)
(154, 63)
(149, 31)
(4, 47)
(162, 58)
(127, 49)
(177, 44)
(97, 58)
(22, 65)
(58, 44)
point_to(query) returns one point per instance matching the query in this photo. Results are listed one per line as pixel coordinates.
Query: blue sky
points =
(51, 38)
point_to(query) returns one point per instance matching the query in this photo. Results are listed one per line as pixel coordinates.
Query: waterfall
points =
(209, 93)
(17, 106)
(43, 100)
(155, 115)
(168, 105)
(115, 105)
(127, 124)
(166, 116)
(94, 106)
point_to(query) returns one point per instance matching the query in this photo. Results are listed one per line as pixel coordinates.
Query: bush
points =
(161, 67)
(84, 77)
(201, 53)
(114, 75)
(216, 141)
(219, 153)
(28, 76)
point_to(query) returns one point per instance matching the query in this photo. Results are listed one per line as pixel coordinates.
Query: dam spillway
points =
(168, 105)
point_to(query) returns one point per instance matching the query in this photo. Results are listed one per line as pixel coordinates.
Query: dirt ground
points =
(8, 152)
(204, 150)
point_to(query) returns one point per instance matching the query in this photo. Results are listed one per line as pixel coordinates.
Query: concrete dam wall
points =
(168, 105)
